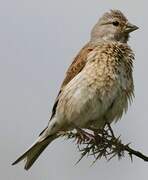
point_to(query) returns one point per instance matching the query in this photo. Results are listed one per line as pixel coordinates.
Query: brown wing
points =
(74, 69)
(77, 64)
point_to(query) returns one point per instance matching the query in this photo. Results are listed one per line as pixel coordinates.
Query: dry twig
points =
(102, 144)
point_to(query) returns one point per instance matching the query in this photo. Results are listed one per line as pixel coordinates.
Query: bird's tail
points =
(31, 155)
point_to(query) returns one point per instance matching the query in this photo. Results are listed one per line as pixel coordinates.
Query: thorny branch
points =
(102, 144)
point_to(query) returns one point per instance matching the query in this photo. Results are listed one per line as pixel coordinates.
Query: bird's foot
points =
(84, 136)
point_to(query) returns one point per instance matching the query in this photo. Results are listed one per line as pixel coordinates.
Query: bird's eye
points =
(116, 23)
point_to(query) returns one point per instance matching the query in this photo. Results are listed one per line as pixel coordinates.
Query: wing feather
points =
(75, 68)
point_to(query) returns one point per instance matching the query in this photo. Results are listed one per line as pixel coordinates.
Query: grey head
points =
(112, 26)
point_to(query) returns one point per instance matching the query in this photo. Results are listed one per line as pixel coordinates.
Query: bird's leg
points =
(99, 134)
(84, 136)
(110, 129)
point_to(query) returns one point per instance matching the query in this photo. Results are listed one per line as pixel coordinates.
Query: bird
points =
(98, 86)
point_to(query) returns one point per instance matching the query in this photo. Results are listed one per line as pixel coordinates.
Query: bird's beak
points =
(131, 27)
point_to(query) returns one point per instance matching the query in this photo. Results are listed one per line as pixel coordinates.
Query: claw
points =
(83, 136)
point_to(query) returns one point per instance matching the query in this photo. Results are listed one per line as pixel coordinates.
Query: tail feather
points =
(34, 151)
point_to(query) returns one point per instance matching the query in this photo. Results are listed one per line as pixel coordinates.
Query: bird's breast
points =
(90, 94)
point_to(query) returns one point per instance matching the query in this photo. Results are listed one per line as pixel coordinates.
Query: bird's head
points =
(114, 26)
